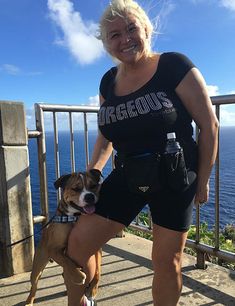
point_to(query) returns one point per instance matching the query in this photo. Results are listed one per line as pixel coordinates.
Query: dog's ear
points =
(97, 175)
(61, 181)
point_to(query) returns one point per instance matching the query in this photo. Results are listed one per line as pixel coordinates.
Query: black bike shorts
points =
(169, 209)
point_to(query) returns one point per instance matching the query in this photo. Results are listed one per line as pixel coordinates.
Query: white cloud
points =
(213, 90)
(14, 70)
(227, 117)
(11, 69)
(229, 4)
(78, 35)
(227, 114)
(94, 101)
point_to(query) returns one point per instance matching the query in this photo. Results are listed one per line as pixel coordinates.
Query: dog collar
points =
(64, 219)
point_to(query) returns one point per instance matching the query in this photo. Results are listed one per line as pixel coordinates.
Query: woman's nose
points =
(126, 37)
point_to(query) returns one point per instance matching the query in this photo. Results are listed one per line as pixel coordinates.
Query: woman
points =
(142, 99)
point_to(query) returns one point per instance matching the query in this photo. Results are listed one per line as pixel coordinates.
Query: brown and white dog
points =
(79, 194)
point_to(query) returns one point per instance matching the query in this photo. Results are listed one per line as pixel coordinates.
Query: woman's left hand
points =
(202, 194)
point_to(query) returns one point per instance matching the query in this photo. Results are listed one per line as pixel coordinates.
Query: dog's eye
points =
(76, 189)
(93, 186)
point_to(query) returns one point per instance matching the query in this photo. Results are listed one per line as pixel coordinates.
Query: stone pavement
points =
(126, 280)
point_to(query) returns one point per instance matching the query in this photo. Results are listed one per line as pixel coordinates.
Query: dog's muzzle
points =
(89, 208)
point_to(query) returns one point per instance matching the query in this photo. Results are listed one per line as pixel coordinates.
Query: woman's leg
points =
(168, 246)
(89, 234)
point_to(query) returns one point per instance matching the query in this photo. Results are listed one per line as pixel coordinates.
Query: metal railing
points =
(40, 109)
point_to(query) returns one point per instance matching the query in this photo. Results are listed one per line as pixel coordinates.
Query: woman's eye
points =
(131, 28)
(113, 36)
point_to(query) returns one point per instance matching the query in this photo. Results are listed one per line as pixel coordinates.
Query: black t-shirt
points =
(138, 122)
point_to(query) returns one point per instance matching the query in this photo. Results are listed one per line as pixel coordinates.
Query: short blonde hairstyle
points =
(121, 8)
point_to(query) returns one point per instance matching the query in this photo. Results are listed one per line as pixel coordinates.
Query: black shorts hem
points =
(173, 228)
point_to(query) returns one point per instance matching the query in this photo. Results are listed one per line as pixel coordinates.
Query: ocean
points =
(207, 212)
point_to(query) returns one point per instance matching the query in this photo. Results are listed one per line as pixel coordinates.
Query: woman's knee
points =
(167, 264)
(167, 249)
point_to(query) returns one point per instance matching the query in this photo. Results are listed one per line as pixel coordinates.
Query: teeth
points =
(129, 49)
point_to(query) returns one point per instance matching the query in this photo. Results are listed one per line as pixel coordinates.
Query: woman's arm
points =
(193, 93)
(102, 150)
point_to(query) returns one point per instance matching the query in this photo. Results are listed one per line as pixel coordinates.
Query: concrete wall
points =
(16, 221)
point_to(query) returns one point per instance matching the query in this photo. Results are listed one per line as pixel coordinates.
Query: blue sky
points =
(48, 51)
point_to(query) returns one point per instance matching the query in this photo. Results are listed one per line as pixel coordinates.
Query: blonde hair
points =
(121, 8)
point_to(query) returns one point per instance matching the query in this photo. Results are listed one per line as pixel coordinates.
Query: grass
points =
(226, 239)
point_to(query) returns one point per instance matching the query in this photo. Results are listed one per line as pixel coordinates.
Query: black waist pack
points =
(142, 172)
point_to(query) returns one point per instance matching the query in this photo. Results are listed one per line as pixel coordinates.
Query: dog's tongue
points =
(89, 209)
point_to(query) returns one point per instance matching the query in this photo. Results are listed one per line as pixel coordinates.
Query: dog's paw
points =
(78, 277)
(29, 301)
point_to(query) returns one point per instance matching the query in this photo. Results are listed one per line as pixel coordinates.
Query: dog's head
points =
(80, 191)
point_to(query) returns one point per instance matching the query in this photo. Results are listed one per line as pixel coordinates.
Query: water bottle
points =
(175, 168)
(172, 146)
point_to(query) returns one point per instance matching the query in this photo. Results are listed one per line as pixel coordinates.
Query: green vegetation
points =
(226, 242)
(226, 238)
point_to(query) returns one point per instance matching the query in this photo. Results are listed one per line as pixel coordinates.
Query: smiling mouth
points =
(88, 208)
(132, 48)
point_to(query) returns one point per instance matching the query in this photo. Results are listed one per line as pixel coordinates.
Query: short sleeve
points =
(175, 66)
(107, 81)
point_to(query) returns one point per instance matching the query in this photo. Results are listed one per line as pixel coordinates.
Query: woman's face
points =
(126, 38)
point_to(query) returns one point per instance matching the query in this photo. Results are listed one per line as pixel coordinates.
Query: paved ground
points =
(126, 280)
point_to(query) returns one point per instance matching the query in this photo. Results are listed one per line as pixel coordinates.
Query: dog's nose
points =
(89, 198)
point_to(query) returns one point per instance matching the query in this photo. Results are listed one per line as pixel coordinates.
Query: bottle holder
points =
(175, 170)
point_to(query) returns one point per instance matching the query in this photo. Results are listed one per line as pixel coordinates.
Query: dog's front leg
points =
(77, 276)
(92, 289)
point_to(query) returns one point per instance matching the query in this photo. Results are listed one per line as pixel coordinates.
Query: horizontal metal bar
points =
(222, 254)
(67, 108)
(140, 228)
(34, 134)
(39, 219)
(225, 99)
(216, 100)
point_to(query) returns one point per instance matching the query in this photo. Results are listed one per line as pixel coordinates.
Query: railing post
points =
(16, 221)
(201, 260)
(41, 141)
(201, 256)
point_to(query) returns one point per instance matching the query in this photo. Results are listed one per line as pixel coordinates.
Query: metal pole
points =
(56, 152)
(42, 161)
(71, 142)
